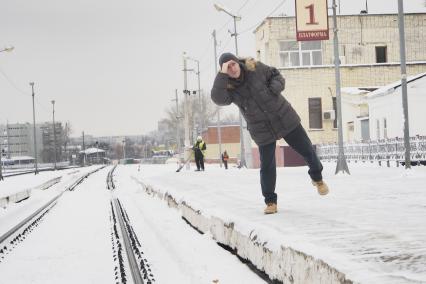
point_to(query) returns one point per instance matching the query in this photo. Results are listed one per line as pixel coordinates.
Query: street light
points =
(35, 141)
(241, 119)
(54, 135)
(199, 93)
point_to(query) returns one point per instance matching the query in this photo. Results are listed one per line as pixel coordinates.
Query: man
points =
(256, 89)
(199, 148)
(225, 158)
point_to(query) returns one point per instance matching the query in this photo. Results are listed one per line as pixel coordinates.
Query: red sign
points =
(311, 20)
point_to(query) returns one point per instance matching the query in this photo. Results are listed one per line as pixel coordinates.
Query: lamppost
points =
(219, 130)
(124, 149)
(404, 83)
(97, 151)
(6, 49)
(241, 119)
(342, 165)
(178, 117)
(34, 126)
(200, 106)
(187, 150)
(54, 135)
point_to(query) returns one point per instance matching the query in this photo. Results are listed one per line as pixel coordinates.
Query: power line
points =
(258, 23)
(21, 92)
(206, 50)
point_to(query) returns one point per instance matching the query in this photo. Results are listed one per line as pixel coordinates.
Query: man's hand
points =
(225, 67)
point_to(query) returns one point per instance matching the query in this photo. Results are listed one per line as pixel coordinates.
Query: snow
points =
(178, 253)
(71, 245)
(369, 229)
(353, 91)
(89, 151)
(388, 89)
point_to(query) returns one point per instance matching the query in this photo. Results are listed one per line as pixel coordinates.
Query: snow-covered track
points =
(138, 266)
(110, 180)
(19, 231)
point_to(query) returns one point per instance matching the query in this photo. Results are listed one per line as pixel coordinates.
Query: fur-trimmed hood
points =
(249, 62)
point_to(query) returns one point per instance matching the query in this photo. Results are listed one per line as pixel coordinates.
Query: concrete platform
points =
(369, 229)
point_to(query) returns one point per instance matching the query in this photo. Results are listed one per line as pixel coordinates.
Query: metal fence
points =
(380, 150)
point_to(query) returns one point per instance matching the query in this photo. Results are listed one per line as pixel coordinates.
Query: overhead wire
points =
(258, 23)
(22, 92)
(227, 41)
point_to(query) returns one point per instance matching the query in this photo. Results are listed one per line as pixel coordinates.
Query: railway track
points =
(127, 249)
(19, 232)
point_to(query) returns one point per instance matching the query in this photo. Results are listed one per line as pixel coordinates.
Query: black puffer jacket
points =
(268, 114)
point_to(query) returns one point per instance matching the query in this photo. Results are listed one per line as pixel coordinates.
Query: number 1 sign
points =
(311, 20)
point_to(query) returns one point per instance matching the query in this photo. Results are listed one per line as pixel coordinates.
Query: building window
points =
(381, 54)
(315, 113)
(305, 53)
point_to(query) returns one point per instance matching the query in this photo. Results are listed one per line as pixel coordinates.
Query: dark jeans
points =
(226, 164)
(300, 142)
(199, 161)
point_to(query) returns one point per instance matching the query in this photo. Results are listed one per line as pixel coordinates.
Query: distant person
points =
(225, 158)
(199, 149)
(256, 89)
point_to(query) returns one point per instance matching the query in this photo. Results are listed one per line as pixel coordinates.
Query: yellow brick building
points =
(369, 54)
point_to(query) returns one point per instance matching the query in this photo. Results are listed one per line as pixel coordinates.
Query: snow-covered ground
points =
(370, 227)
(72, 244)
(16, 212)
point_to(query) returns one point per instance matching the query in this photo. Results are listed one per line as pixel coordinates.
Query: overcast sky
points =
(112, 66)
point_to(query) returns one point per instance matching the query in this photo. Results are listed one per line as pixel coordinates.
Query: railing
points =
(380, 150)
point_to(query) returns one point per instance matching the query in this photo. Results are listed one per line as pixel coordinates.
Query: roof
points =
(338, 16)
(390, 88)
(358, 90)
(21, 158)
(89, 151)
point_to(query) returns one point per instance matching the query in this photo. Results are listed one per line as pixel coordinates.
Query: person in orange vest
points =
(199, 149)
(225, 158)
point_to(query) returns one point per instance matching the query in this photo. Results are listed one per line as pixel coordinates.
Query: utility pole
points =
(35, 138)
(341, 166)
(84, 152)
(246, 157)
(177, 125)
(124, 150)
(186, 118)
(404, 83)
(54, 135)
(200, 109)
(8, 139)
(243, 124)
(1, 163)
(97, 151)
(219, 130)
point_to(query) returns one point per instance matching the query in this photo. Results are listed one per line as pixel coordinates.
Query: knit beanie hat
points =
(225, 57)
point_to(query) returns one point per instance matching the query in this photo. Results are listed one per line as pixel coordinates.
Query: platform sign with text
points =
(311, 20)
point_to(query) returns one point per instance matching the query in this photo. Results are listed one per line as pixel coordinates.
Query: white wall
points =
(389, 107)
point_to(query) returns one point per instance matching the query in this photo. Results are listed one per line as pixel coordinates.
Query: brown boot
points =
(271, 208)
(321, 187)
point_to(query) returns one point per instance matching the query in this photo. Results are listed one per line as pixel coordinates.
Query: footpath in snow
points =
(369, 229)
